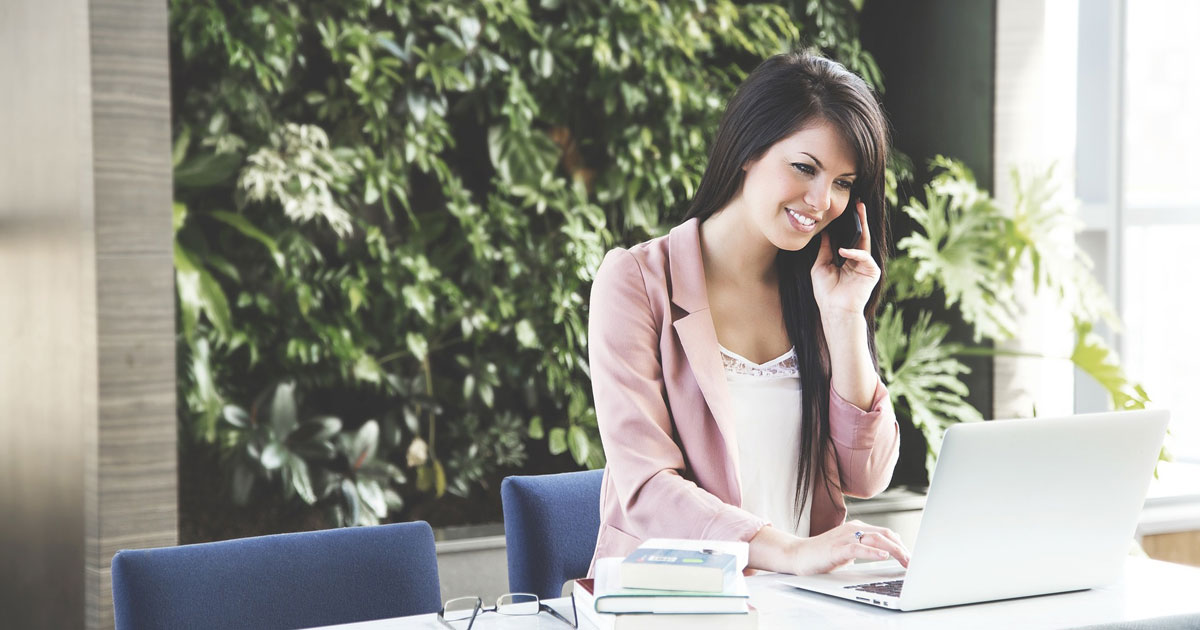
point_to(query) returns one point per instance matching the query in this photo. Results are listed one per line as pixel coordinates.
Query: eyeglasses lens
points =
(518, 604)
(461, 608)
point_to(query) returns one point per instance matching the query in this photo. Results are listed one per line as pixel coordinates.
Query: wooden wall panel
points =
(136, 476)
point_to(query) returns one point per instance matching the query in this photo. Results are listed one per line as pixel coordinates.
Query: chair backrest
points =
(550, 527)
(282, 581)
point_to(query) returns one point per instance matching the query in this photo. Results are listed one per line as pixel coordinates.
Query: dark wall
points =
(938, 64)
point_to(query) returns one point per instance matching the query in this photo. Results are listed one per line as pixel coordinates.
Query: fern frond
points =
(922, 374)
(963, 236)
(1092, 355)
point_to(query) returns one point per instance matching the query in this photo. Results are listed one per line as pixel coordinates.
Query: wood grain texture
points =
(135, 475)
(1180, 547)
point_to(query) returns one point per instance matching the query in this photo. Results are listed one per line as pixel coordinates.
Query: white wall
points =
(1036, 43)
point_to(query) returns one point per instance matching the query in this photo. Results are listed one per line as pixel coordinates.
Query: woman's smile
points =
(801, 222)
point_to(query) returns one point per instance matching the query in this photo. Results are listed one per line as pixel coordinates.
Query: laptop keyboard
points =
(891, 587)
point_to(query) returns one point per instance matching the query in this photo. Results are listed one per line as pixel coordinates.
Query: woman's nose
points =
(818, 197)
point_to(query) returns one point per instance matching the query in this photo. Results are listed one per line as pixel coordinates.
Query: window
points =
(1138, 148)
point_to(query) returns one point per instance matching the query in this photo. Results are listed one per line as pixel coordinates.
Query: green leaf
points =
(357, 297)
(236, 416)
(395, 503)
(204, 397)
(366, 368)
(315, 430)
(526, 335)
(1094, 357)
(248, 229)
(329, 426)
(385, 41)
(301, 480)
(366, 442)
(962, 246)
(922, 374)
(1043, 226)
(372, 497)
(418, 105)
(535, 428)
(542, 62)
(411, 421)
(273, 456)
(558, 441)
(179, 150)
(521, 157)
(596, 459)
(578, 443)
(417, 345)
(425, 478)
(178, 216)
(439, 479)
(283, 409)
(199, 293)
(207, 170)
(351, 501)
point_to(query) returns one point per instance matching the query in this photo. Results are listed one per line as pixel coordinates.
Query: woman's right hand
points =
(839, 547)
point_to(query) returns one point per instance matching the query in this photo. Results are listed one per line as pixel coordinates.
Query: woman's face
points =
(799, 185)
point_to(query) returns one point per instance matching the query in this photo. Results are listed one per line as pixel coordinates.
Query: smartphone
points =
(845, 231)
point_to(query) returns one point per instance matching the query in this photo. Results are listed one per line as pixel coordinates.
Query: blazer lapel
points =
(698, 337)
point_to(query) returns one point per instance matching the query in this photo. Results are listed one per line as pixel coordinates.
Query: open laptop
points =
(1018, 508)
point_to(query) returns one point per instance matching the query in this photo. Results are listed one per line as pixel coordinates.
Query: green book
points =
(610, 597)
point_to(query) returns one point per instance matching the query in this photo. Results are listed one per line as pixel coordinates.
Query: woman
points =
(732, 360)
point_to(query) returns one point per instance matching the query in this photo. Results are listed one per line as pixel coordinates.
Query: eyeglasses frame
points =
(479, 610)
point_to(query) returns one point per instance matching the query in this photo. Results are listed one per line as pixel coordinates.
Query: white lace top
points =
(766, 400)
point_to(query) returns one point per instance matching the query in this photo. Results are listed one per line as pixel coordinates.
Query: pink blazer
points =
(665, 415)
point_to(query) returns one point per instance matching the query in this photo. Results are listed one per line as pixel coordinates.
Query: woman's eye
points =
(803, 168)
(844, 185)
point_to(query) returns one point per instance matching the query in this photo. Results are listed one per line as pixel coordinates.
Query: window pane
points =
(1162, 89)
(1162, 335)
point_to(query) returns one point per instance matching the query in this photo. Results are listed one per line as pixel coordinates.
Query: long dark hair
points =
(785, 94)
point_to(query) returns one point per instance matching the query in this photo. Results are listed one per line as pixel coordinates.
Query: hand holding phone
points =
(845, 231)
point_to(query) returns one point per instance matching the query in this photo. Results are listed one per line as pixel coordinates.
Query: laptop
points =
(1018, 508)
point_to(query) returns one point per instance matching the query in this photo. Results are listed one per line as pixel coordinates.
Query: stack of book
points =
(667, 584)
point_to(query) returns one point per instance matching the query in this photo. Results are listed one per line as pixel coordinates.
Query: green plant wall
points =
(395, 208)
(387, 218)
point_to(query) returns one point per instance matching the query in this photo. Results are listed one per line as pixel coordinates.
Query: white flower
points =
(418, 453)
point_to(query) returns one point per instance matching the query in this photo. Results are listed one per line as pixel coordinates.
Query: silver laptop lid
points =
(1032, 506)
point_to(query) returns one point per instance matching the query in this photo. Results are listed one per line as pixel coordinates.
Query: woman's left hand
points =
(844, 291)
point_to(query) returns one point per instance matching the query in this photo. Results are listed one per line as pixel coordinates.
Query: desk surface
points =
(1151, 594)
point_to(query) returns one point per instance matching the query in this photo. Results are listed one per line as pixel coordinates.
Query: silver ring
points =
(858, 536)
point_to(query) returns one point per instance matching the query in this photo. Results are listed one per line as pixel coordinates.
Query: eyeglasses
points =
(468, 608)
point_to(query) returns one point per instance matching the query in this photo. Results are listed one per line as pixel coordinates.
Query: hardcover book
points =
(704, 570)
(584, 597)
(611, 597)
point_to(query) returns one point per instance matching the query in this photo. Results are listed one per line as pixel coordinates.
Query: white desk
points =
(1151, 594)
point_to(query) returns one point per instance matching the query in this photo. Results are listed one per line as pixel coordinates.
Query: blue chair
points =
(550, 527)
(282, 581)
